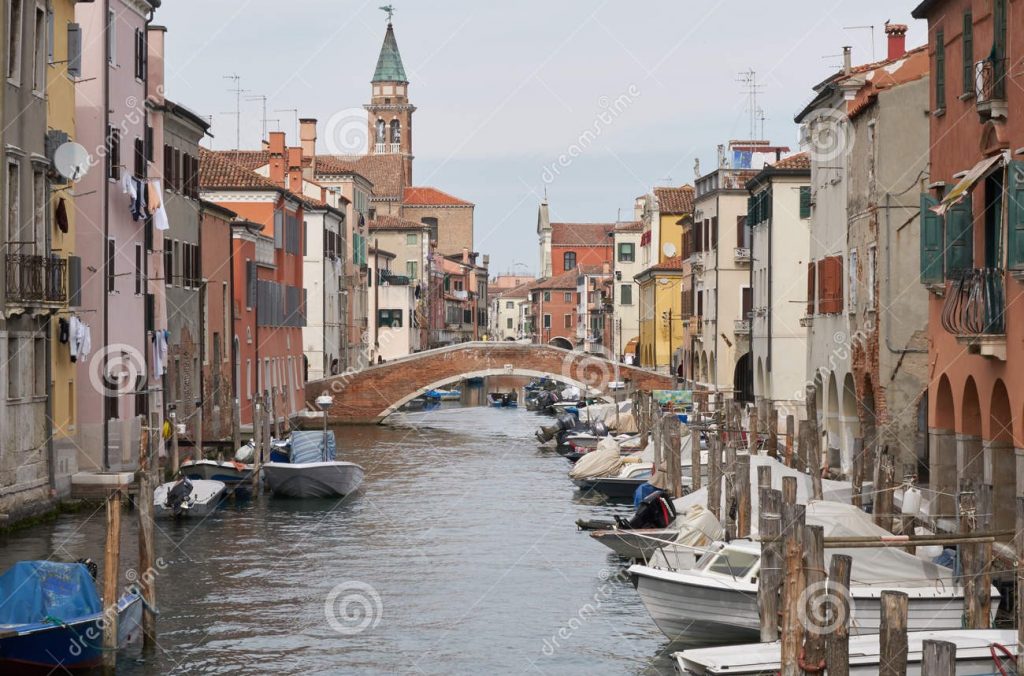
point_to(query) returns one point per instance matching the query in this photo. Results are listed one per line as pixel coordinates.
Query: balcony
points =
(974, 310)
(387, 148)
(387, 278)
(990, 88)
(741, 327)
(741, 254)
(36, 280)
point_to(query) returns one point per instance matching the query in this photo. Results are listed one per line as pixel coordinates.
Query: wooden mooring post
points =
(770, 580)
(753, 431)
(976, 578)
(236, 424)
(111, 570)
(893, 635)
(764, 477)
(811, 402)
(938, 658)
(793, 520)
(812, 458)
(715, 475)
(857, 480)
(695, 468)
(814, 611)
(773, 430)
(174, 443)
(742, 497)
(789, 490)
(883, 490)
(837, 642)
(257, 441)
(670, 439)
(790, 439)
(147, 485)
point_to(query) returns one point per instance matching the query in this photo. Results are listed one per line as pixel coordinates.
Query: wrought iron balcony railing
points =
(741, 327)
(36, 279)
(975, 303)
(742, 254)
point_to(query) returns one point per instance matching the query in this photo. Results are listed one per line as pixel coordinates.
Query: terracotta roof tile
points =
(675, 200)
(629, 226)
(217, 171)
(384, 222)
(385, 172)
(566, 280)
(673, 264)
(913, 65)
(797, 161)
(250, 159)
(428, 196)
(521, 291)
(581, 234)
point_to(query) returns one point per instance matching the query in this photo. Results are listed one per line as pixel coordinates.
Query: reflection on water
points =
(458, 555)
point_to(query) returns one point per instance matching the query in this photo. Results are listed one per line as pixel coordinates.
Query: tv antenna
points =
(863, 28)
(237, 79)
(295, 112)
(748, 79)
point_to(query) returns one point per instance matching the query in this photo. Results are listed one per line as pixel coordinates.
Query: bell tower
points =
(390, 113)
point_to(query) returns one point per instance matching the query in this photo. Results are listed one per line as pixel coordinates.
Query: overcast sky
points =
(504, 89)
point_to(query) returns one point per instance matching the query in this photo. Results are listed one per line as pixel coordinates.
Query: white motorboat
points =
(715, 600)
(977, 652)
(311, 470)
(187, 498)
(229, 473)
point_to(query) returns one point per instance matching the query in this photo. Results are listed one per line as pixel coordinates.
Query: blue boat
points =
(51, 618)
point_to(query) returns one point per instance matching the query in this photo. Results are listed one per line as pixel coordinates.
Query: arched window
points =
(431, 222)
(396, 131)
(569, 260)
(382, 131)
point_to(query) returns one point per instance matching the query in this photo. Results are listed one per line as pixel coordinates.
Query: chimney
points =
(307, 138)
(155, 55)
(897, 33)
(295, 170)
(847, 60)
(276, 148)
(465, 255)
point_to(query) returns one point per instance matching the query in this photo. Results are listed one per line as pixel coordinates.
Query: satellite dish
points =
(72, 160)
(669, 249)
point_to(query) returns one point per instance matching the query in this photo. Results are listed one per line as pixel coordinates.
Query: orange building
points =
(577, 244)
(972, 250)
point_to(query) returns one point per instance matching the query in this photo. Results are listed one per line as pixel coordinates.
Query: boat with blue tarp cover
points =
(51, 618)
(307, 468)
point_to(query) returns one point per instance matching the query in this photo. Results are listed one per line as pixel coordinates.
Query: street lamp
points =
(323, 402)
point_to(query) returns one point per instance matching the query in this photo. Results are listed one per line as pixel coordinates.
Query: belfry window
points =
(396, 131)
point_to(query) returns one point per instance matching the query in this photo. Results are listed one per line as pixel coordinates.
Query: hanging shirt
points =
(160, 221)
(159, 352)
(139, 201)
(62, 331)
(62, 216)
(128, 186)
(85, 340)
(153, 194)
(74, 326)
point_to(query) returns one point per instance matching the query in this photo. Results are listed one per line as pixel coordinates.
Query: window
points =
(248, 379)
(411, 270)
(392, 318)
(812, 277)
(140, 54)
(805, 201)
(412, 239)
(39, 366)
(568, 321)
(39, 51)
(742, 233)
(50, 36)
(714, 233)
(140, 158)
(13, 200)
(547, 296)
(569, 260)
(852, 282)
(113, 153)
(940, 70)
(510, 304)
(38, 235)
(168, 262)
(547, 321)
(627, 252)
(508, 323)
(138, 270)
(14, 368)
(626, 294)
(14, 42)
(999, 49)
(111, 276)
(567, 297)
(431, 222)
(967, 46)
(872, 271)
(111, 33)
(74, 50)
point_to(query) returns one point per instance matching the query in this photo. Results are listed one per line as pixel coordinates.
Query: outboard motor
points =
(600, 429)
(563, 423)
(656, 511)
(178, 497)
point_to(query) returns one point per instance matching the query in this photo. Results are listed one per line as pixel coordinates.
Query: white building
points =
(779, 219)
(324, 336)
(392, 318)
(508, 312)
(626, 266)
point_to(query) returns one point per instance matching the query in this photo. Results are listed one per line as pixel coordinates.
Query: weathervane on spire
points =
(390, 9)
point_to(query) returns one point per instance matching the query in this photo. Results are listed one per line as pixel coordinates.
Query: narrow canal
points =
(458, 555)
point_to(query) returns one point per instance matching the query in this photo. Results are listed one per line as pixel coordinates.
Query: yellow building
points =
(60, 120)
(661, 326)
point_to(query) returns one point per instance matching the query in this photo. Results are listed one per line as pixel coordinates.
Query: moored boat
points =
(187, 498)
(310, 470)
(227, 472)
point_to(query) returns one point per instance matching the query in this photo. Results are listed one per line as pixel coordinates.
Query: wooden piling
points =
(837, 642)
(790, 439)
(773, 431)
(893, 635)
(789, 490)
(670, 438)
(236, 424)
(660, 478)
(147, 485)
(770, 578)
(857, 479)
(742, 497)
(977, 598)
(812, 457)
(793, 517)
(753, 433)
(715, 476)
(764, 476)
(695, 469)
(883, 502)
(199, 434)
(815, 603)
(730, 488)
(111, 570)
(257, 441)
(174, 439)
(938, 658)
(811, 402)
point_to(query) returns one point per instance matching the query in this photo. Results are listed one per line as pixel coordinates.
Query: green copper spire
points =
(389, 63)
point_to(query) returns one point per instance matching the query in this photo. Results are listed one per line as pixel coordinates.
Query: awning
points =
(966, 184)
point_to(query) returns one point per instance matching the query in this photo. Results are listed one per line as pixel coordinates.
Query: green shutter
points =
(931, 241)
(960, 236)
(805, 201)
(967, 45)
(1015, 215)
(940, 70)
(752, 210)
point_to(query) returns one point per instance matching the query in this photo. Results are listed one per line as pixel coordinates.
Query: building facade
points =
(625, 268)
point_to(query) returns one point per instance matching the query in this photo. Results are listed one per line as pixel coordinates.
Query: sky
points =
(592, 103)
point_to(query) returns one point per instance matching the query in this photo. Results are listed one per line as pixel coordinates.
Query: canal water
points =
(459, 555)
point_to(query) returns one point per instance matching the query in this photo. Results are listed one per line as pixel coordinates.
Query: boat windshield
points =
(733, 563)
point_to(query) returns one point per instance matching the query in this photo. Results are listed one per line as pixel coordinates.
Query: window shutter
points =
(811, 277)
(931, 241)
(1015, 217)
(74, 50)
(805, 201)
(837, 290)
(967, 45)
(751, 213)
(960, 236)
(74, 281)
(698, 232)
(940, 70)
(714, 232)
(168, 179)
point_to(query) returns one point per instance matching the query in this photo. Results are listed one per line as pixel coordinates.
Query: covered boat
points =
(311, 470)
(238, 470)
(51, 618)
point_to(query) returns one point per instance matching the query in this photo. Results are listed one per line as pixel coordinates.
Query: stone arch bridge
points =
(370, 395)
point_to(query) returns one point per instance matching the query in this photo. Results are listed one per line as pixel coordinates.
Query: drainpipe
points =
(888, 285)
(105, 196)
(771, 276)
